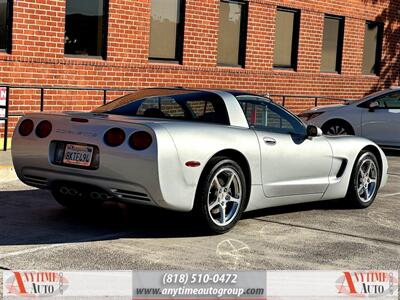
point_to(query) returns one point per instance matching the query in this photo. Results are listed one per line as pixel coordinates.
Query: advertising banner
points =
(151, 285)
(199, 285)
(74, 285)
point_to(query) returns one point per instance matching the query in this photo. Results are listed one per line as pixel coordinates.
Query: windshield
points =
(373, 95)
(170, 104)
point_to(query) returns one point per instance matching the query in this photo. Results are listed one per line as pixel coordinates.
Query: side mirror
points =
(373, 105)
(313, 131)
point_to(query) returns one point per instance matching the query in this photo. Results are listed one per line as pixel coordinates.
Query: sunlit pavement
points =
(36, 233)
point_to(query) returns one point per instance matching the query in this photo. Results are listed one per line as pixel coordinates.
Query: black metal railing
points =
(43, 89)
(315, 99)
(6, 116)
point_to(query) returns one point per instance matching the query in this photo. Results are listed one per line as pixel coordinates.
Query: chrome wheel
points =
(336, 130)
(367, 180)
(224, 196)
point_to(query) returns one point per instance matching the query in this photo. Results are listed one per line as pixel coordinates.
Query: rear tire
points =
(365, 181)
(221, 195)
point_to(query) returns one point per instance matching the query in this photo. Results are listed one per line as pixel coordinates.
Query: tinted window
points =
(332, 45)
(232, 33)
(170, 104)
(167, 105)
(372, 48)
(389, 101)
(5, 24)
(85, 27)
(166, 29)
(266, 115)
(286, 38)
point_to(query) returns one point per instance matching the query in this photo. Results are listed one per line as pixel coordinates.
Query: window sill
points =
(283, 70)
(371, 75)
(164, 61)
(334, 73)
(236, 67)
(230, 66)
(84, 57)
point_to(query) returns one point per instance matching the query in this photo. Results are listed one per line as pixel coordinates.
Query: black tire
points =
(337, 127)
(353, 197)
(220, 166)
(79, 202)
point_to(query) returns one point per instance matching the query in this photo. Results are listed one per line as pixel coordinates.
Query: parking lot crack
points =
(331, 231)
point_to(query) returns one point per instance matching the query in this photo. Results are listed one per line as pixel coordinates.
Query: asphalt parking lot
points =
(36, 233)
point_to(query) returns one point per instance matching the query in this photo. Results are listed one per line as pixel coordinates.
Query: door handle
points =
(269, 141)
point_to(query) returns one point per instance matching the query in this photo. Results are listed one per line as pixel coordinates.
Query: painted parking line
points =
(390, 195)
(52, 246)
(31, 250)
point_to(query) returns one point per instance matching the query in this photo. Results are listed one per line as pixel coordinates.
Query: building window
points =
(166, 30)
(286, 38)
(5, 24)
(232, 33)
(372, 48)
(86, 27)
(332, 45)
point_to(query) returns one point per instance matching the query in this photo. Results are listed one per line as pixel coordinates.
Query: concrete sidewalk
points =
(6, 167)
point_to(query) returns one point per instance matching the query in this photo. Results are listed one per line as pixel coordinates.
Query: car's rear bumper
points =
(119, 190)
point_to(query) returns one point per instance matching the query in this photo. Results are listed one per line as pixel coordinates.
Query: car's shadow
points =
(32, 217)
(392, 152)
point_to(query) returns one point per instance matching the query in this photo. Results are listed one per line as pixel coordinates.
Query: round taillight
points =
(43, 129)
(140, 140)
(26, 127)
(114, 137)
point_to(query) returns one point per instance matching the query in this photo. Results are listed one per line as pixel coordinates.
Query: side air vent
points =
(342, 168)
(128, 195)
(35, 180)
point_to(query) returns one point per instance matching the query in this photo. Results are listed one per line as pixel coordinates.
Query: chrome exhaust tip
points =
(99, 196)
(69, 191)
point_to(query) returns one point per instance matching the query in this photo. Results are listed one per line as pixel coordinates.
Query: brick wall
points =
(37, 56)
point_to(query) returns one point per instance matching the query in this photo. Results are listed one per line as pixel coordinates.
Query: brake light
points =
(140, 140)
(114, 137)
(26, 127)
(43, 129)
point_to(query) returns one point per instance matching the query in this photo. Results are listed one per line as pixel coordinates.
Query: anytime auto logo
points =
(368, 283)
(34, 283)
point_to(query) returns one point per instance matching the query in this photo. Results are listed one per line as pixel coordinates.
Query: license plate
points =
(78, 155)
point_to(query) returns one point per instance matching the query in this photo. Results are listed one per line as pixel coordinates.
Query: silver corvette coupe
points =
(211, 152)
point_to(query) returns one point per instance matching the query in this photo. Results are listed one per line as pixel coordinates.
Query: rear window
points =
(170, 104)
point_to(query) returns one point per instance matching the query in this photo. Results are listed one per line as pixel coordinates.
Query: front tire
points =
(337, 127)
(221, 195)
(365, 181)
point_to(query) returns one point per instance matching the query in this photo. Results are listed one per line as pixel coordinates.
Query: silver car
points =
(376, 117)
(211, 152)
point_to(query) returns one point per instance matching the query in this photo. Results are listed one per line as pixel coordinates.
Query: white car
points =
(215, 153)
(375, 117)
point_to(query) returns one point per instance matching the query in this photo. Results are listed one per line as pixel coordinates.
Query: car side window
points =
(266, 115)
(167, 105)
(389, 101)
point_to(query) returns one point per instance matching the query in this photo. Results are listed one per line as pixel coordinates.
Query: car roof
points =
(377, 94)
(230, 91)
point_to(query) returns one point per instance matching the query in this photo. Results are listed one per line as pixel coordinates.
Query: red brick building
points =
(332, 48)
